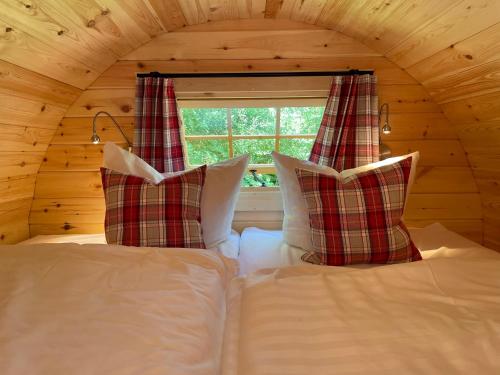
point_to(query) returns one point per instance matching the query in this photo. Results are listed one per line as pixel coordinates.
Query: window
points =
(228, 128)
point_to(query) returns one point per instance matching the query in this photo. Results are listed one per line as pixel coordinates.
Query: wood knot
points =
(105, 12)
(125, 108)
(45, 210)
(45, 160)
(250, 67)
(8, 29)
(22, 164)
(468, 57)
(140, 65)
(277, 57)
(58, 205)
(91, 23)
(67, 226)
(325, 45)
(43, 108)
(2, 237)
(35, 143)
(60, 32)
(172, 59)
(88, 107)
(225, 48)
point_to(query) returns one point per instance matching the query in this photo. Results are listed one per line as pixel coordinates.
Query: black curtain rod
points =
(256, 74)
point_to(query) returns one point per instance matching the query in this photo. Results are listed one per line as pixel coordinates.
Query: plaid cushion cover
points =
(358, 219)
(139, 213)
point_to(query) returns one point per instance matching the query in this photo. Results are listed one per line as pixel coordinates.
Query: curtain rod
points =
(256, 74)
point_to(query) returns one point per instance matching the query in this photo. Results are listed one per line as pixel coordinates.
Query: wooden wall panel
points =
(443, 177)
(31, 107)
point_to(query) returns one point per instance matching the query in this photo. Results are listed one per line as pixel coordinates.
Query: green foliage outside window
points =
(247, 122)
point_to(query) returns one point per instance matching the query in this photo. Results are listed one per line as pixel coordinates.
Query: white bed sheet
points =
(437, 316)
(114, 310)
(229, 248)
(260, 248)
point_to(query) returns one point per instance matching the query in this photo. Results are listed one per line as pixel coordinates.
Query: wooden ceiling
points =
(73, 41)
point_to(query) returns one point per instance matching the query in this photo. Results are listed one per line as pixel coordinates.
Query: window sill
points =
(259, 189)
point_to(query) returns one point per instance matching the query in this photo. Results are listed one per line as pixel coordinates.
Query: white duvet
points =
(98, 309)
(437, 316)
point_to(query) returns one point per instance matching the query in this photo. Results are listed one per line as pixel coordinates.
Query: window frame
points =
(229, 104)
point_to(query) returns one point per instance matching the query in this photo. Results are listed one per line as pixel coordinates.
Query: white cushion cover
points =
(296, 230)
(220, 192)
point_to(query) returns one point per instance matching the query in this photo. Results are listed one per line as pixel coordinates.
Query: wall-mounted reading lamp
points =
(95, 139)
(385, 151)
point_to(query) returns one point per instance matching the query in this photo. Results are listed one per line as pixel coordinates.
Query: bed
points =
(436, 316)
(72, 308)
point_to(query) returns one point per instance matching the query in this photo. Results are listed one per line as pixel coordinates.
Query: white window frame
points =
(228, 104)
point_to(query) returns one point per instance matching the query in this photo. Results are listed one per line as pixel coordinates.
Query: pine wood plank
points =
(121, 102)
(52, 24)
(16, 110)
(249, 45)
(443, 206)
(66, 228)
(14, 221)
(419, 126)
(18, 163)
(434, 153)
(19, 48)
(254, 24)
(476, 109)
(25, 138)
(478, 49)
(456, 24)
(77, 130)
(16, 188)
(168, 12)
(84, 210)
(74, 157)
(17, 81)
(89, 185)
(122, 74)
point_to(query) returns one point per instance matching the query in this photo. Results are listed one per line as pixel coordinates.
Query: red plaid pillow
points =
(358, 219)
(139, 213)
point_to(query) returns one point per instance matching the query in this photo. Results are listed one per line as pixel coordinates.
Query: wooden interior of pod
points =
(438, 67)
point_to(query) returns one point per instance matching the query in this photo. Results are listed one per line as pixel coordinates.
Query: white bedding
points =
(260, 248)
(229, 248)
(437, 316)
(101, 309)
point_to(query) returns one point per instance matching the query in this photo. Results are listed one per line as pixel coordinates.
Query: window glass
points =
(300, 120)
(253, 121)
(259, 149)
(299, 148)
(204, 121)
(216, 134)
(207, 151)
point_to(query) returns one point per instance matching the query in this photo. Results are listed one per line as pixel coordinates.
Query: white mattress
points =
(260, 249)
(229, 248)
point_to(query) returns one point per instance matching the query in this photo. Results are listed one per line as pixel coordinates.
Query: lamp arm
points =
(114, 121)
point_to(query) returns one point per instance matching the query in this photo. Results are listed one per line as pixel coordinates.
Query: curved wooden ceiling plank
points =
(50, 24)
(19, 48)
(456, 24)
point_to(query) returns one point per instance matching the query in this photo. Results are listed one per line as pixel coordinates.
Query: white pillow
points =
(296, 230)
(219, 196)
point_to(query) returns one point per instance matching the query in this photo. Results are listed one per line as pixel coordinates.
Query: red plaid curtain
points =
(349, 133)
(157, 136)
